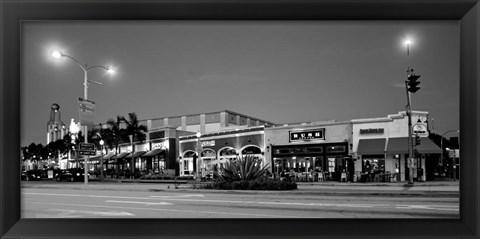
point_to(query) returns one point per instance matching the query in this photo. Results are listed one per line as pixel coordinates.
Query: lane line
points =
(136, 202)
(70, 212)
(173, 210)
(178, 198)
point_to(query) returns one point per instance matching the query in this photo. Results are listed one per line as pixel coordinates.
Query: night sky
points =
(279, 71)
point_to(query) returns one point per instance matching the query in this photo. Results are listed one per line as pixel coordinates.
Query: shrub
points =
(264, 183)
(242, 169)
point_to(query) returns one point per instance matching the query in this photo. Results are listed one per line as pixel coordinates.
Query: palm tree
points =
(135, 131)
(106, 135)
(116, 133)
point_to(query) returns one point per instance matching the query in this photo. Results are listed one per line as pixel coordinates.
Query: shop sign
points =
(207, 143)
(372, 131)
(318, 134)
(451, 154)
(420, 129)
(158, 145)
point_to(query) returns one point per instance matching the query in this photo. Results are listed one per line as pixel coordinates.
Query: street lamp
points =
(409, 114)
(441, 146)
(198, 152)
(86, 69)
(101, 160)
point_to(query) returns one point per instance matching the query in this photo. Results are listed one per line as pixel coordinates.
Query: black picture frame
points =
(13, 13)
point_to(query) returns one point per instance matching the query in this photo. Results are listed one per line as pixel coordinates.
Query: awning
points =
(400, 146)
(397, 145)
(136, 154)
(154, 152)
(427, 146)
(122, 155)
(109, 156)
(371, 146)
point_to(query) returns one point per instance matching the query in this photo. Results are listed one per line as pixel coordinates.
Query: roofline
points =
(214, 112)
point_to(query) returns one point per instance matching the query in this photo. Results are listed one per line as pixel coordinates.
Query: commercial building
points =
(371, 149)
(161, 150)
(383, 143)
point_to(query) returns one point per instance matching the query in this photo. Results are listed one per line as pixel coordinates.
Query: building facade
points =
(371, 149)
(382, 143)
(319, 146)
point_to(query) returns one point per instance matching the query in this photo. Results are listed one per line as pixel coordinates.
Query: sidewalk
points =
(429, 189)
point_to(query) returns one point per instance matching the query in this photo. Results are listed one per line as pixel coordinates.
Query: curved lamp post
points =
(86, 69)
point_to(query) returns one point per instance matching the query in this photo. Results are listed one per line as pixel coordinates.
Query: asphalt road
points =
(93, 201)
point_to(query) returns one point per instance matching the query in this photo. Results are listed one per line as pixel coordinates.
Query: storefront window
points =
(336, 149)
(373, 163)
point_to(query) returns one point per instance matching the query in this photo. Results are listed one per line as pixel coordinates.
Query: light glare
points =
(56, 54)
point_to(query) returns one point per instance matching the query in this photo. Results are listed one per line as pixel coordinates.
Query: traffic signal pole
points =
(410, 141)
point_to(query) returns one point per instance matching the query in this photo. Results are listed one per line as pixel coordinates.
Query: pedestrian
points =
(368, 170)
(292, 175)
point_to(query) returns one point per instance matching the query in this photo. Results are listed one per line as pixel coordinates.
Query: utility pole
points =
(410, 87)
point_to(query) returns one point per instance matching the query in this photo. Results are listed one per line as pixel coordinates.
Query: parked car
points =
(31, 175)
(71, 175)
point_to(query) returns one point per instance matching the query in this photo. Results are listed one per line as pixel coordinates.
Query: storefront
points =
(216, 149)
(156, 154)
(303, 149)
(381, 147)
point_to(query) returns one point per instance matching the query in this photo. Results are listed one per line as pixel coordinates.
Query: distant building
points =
(55, 127)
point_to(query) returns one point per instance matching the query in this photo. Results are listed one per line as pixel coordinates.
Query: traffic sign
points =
(87, 147)
(451, 153)
(86, 152)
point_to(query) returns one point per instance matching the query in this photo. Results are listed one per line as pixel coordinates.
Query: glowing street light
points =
(408, 42)
(196, 163)
(101, 160)
(86, 69)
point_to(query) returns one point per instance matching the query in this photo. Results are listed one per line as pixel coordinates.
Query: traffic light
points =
(417, 140)
(412, 83)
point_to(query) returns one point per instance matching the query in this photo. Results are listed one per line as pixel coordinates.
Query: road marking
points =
(72, 213)
(173, 210)
(176, 198)
(429, 207)
(180, 196)
(146, 203)
(279, 203)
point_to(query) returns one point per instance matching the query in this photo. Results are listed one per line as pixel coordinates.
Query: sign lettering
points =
(317, 134)
(207, 143)
(371, 131)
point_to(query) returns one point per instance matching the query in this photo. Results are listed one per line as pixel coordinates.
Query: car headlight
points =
(33, 175)
(78, 174)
